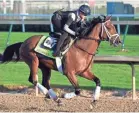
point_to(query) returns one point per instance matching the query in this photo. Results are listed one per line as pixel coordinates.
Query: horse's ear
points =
(108, 18)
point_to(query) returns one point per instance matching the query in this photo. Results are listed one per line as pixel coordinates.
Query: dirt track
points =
(24, 100)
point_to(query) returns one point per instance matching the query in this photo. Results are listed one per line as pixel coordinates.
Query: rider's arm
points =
(71, 18)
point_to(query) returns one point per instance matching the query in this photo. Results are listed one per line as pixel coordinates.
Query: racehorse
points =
(77, 61)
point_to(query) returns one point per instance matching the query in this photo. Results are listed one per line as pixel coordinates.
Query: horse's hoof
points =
(47, 96)
(59, 103)
(94, 102)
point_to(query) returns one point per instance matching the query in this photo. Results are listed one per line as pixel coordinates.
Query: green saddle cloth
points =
(41, 49)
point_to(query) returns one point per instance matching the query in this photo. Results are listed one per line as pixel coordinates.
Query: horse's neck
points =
(80, 55)
(89, 46)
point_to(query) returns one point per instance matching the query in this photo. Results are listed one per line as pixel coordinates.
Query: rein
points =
(88, 38)
(91, 38)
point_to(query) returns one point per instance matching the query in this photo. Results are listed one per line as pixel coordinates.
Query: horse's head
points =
(109, 33)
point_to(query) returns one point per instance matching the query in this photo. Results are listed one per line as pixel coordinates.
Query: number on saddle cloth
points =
(50, 42)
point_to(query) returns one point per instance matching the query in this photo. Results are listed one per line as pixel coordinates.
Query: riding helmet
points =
(85, 9)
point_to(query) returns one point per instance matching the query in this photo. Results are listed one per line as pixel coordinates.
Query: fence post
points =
(118, 26)
(123, 43)
(9, 34)
(133, 82)
(23, 25)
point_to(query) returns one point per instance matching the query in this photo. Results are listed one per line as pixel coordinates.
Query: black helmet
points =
(85, 9)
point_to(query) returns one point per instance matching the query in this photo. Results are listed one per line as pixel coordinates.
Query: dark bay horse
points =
(1, 56)
(77, 61)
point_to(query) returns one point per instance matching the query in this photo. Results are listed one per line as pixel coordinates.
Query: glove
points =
(77, 34)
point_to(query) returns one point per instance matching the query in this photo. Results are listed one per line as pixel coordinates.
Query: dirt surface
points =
(23, 99)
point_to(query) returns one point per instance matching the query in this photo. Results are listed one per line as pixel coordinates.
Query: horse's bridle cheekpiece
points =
(104, 28)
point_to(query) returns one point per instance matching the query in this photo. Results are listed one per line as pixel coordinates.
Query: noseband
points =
(104, 28)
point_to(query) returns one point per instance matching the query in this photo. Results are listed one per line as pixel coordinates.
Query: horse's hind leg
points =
(46, 74)
(33, 63)
(90, 76)
(30, 78)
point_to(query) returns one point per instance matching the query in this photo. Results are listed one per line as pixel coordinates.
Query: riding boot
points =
(60, 43)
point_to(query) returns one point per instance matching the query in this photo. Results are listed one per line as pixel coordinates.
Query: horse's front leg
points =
(90, 76)
(73, 80)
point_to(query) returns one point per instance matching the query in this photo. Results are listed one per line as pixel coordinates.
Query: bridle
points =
(104, 29)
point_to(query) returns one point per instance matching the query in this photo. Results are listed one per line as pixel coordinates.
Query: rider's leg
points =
(60, 43)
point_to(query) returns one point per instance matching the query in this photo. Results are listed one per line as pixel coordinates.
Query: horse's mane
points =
(94, 22)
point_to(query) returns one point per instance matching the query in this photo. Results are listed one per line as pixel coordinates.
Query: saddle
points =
(51, 41)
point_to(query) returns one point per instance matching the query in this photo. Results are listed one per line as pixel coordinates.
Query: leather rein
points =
(88, 38)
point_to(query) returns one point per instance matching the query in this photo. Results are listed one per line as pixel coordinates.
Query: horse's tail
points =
(10, 51)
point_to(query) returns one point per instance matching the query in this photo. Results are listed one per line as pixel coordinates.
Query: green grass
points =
(111, 75)
(15, 37)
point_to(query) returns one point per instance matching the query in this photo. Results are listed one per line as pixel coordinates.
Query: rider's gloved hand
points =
(77, 34)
